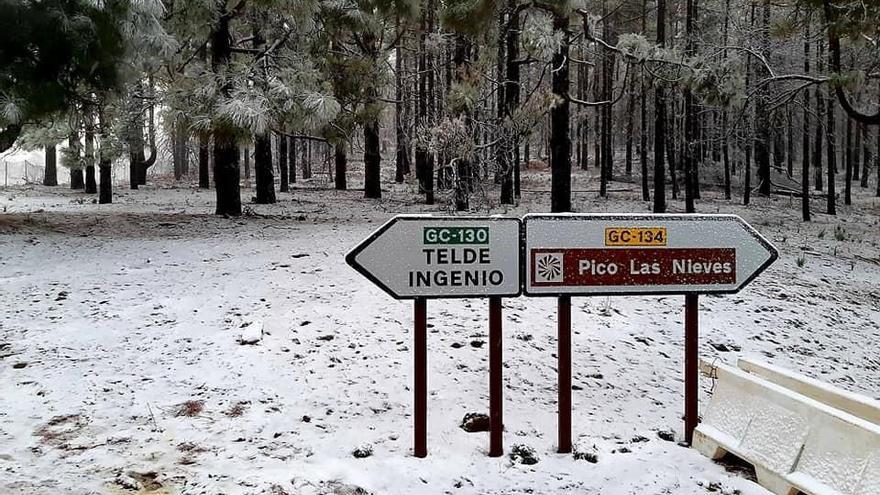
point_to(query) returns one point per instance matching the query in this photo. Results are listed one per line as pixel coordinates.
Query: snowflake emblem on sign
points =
(548, 267)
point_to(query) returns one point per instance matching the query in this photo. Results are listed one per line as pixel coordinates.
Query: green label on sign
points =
(456, 235)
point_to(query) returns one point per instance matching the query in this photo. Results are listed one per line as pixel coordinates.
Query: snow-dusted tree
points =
(45, 135)
(50, 50)
(362, 34)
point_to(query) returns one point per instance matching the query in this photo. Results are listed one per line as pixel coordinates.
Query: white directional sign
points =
(641, 254)
(424, 256)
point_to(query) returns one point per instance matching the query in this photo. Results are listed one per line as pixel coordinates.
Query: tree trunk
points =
(560, 142)
(204, 166)
(50, 174)
(747, 173)
(424, 165)
(506, 142)
(341, 165)
(831, 148)
(848, 164)
(372, 161)
(606, 171)
(291, 151)
(77, 180)
(135, 139)
(778, 146)
(372, 150)
(226, 170)
(725, 154)
(105, 190)
(463, 165)
(105, 193)
(643, 116)
(643, 141)
(138, 163)
(180, 150)
(284, 186)
(660, 122)
(819, 141)
(805, 137)
(91, 186)
(175, 151)
(725, 139)
(579, 113)
(184, 150)
(866, 157)
(749, 129)
(263, 169)
(402, 155)
(246, 160)
(306, 159)
(151, 133)
(763, 132)
(76, 172)
(690, 123)
(821, 116)
(630, 128)
(671, 149)
(789, 146)
(762, 149)
(858, 131)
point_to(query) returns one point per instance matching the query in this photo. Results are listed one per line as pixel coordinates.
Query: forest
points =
(456, 96)
(214, 214)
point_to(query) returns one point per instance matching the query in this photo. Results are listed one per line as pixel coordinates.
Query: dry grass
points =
(190, 408)
(60, 430)
(237, 409)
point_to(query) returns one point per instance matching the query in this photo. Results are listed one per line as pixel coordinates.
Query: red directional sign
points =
(641, 254)
(632, 267)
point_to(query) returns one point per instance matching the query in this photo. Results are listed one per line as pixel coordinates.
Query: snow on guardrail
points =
(849, 402)
(796, 442)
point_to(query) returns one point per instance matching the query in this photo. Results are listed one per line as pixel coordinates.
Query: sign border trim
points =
(351, 257)
(774, 253)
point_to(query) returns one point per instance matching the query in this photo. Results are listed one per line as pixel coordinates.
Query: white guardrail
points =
(801, 435)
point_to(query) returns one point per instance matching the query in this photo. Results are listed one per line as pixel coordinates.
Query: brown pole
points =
(496, 401)
(564, 369)
(691, 366)
(420, 390)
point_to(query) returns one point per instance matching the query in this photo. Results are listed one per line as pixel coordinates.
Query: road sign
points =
(595, 254)
(432, 257)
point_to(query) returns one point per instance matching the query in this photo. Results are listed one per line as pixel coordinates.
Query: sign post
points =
(563, 367)
(425, 257)
(615, 254)
(420, 388)
(496, 402)
(691, 366)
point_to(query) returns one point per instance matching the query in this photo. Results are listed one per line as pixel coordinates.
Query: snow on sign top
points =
(423, 256)
(606, 254)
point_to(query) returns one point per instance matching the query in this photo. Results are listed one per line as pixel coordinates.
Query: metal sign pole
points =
(420, 388)
(691, 365)
(496, 400)
(563, 354)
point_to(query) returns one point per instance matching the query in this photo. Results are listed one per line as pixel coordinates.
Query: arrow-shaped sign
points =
(423, 256)
(593, 254)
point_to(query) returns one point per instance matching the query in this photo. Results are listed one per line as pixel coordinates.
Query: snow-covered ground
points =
(122, 370)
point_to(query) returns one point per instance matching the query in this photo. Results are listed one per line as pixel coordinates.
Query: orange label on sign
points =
(635, 236)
